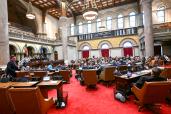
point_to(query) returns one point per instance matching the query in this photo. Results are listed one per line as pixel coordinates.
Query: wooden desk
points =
(50, 73)
(23, 84)
(123, 83)
(46, 85)
(6, 85)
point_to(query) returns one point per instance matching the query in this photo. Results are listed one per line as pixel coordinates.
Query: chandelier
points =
(30, 14)
(90, 10)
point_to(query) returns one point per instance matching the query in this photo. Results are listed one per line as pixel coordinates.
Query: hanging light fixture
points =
(30, 14)
(90, 10)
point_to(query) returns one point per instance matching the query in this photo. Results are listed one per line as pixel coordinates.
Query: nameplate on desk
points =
(53, 81)
(32, 82)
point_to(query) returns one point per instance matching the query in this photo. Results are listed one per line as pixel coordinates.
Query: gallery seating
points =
(151, 93)
(29, 101)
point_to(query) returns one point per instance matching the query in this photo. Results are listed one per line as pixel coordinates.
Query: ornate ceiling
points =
(75, 7)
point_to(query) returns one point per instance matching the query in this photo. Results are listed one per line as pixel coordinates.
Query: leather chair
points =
(89, 77)
(38, 75)
(6, 106)
(22, 76)
(29, 101)
(151, 93)
(107, 74)
(66, 75)
(122, 69)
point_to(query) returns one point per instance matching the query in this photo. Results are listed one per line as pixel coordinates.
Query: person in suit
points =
(12, 67)
(155, 76)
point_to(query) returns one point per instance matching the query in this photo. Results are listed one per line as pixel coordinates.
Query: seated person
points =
(50, 67)
(58, 67)
(155, 76)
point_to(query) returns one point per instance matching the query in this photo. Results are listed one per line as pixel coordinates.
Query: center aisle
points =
(100, 101)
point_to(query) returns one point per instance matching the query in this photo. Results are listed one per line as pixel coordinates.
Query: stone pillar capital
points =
(144, 2)
(63, 21)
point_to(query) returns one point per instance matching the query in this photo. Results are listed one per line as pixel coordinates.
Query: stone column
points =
(63, 25)
(4, 39)
(148, 28)
(44, 12)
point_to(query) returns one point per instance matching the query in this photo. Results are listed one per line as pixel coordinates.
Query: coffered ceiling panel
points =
(75, 7)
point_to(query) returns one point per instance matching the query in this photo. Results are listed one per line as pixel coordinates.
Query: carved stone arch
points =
(34, 47)
(133, 10)
(104, 42)
(47, 49)
(18, 49)
(132, 41)
(85, 44)
(159, 3)
(121, 11)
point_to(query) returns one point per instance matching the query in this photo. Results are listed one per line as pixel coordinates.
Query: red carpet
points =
(100, 101)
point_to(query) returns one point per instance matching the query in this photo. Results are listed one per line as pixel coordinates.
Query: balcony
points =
(162, 28)
(25, 35)
(108, 34)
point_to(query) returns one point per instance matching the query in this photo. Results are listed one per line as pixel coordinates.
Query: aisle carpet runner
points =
(100, 101)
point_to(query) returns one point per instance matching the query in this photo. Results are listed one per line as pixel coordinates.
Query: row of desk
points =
(43, 85)
(124, 82)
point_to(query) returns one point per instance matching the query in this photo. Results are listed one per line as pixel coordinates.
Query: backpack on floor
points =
(120, 96)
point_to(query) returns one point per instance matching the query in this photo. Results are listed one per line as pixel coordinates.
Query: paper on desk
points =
(146, 71)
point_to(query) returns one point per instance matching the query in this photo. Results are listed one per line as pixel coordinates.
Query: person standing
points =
(12, 67)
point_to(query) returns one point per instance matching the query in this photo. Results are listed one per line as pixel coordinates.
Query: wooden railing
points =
(20, 34)
(108, 34)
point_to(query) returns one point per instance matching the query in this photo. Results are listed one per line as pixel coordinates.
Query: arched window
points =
(161, 14)
(132, 19)
(109, 23)
(80, 27)
(72, 29)
(85, 52)
(105, 50)
(89, 26)
(86, 48)
(127, 44)
(127, 49)
(105, 46)
(98, 23)
(120, 21)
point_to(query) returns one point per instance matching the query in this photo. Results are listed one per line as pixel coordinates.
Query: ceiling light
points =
(30, 14)
(90, 12)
